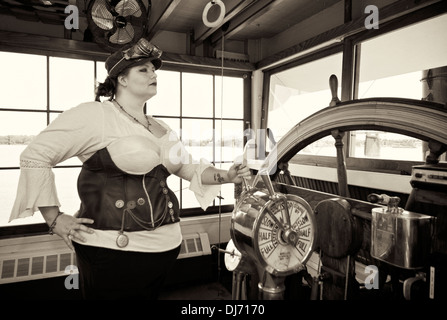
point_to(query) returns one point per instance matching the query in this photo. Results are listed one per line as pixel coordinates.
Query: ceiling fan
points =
(116, 23)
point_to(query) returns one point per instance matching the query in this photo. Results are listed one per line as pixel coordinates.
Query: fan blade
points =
(123, 35)
(128, 8)
(101, 16)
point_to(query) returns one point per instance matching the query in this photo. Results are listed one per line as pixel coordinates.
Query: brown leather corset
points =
(117, 200)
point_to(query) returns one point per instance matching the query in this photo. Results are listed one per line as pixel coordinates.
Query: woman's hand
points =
(237, 172)
(66, 226)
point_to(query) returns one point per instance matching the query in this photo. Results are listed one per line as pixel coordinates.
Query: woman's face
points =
(142, 80)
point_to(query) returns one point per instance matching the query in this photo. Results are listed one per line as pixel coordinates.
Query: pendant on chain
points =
(135, 119)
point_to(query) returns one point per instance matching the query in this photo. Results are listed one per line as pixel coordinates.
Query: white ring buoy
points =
(221, 16)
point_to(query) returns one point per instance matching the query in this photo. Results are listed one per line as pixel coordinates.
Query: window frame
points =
(210, 68)
(351, 47)
(215, 208)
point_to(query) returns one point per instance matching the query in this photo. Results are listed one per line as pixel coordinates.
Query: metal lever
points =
(251, 144)
(232, 253)
(391, 202)
(268, 183)
(378, 198)
(290, 235)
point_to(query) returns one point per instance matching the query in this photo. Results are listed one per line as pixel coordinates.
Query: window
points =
(296, 93)
(385, 145)
(388, 65)
(209, 123)
(36, 90)
(67, 89)
(39, 87)
(392, 65)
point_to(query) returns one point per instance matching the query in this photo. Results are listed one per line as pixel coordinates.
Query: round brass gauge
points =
(276, 231)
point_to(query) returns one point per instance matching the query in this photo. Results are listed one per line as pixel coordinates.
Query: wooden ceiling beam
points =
(67, 48)
(245, 18)
(162, 19)
(355, 28)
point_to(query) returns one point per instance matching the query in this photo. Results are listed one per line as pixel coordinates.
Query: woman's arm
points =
(235, 174)
(72, 133)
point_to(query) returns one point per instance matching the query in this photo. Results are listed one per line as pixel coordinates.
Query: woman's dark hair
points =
(106, 88)
(110, 84)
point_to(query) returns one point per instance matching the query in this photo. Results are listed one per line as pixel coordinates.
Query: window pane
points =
(197, 136)
(22, 123)
(173, 123)
(299, 92)
(391, 65)
(101, 72)
(197, 95)
(410, 86)
(322, 147)
(232, 144)
(227, 189)
(385, 145)
(233, 97)
(54, 115)
(167, 100)
(71, 82)
(25, 83)
(17, 129)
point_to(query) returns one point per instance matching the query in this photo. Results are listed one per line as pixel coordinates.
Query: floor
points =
(205, 291)
(50, 289)
(191, 279)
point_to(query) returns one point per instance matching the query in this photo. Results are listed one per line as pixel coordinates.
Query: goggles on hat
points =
(142, 49)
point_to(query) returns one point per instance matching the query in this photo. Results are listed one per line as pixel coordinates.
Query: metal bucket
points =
(402, 239)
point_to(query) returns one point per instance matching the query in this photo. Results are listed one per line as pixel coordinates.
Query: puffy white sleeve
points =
(73, 133)
(188, 168)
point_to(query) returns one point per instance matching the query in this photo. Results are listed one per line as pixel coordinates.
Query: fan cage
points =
(117, 23)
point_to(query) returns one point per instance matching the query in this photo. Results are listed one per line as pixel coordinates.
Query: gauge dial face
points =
(279, 254)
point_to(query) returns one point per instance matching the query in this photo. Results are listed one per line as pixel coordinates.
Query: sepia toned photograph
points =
(223, 158)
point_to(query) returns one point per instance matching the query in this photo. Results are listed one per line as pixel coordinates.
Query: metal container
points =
(401, 238)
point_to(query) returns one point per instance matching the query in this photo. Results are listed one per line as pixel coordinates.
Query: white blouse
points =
(87, 128)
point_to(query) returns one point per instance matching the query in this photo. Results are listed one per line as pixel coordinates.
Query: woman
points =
(126, 234)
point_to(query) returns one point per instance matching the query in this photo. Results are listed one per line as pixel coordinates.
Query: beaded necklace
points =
(135, 119)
